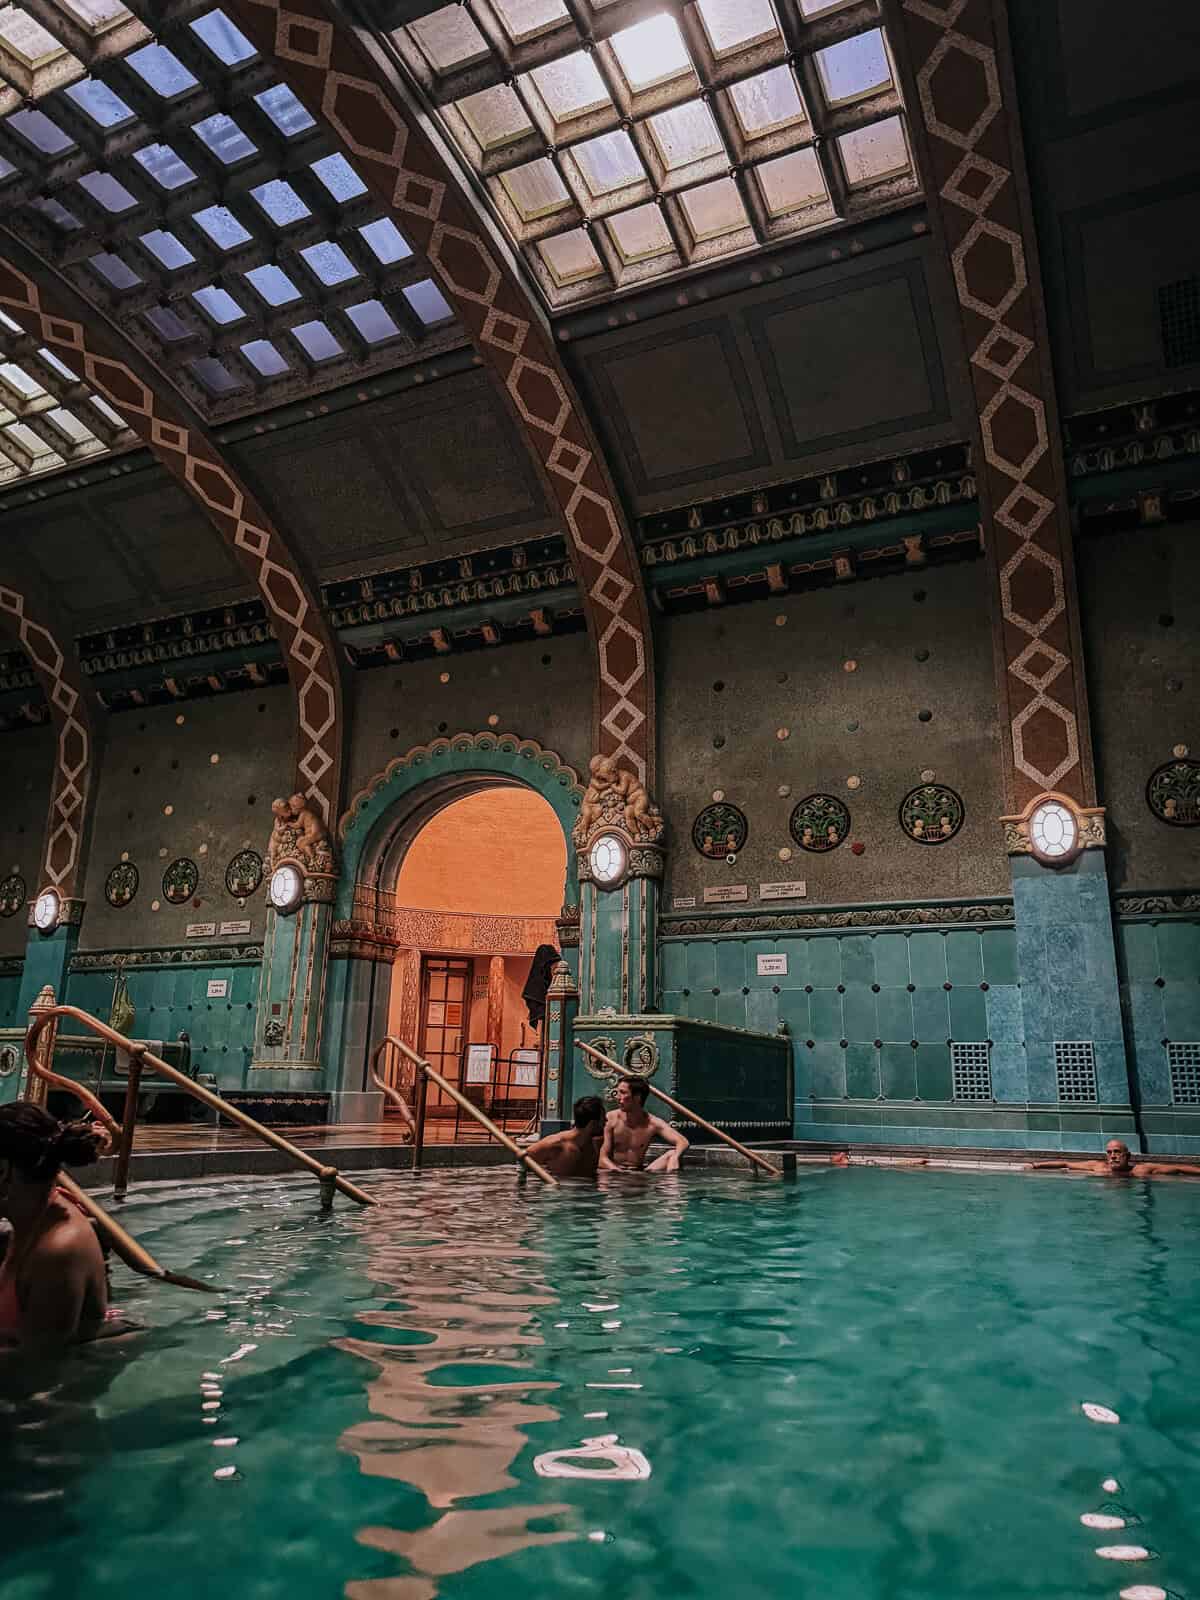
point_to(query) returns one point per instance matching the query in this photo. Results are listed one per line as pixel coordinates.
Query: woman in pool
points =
(53, 1286)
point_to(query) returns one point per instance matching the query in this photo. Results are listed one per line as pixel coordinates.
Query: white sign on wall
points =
(683, 902)
(218, 988)
(479, 1063)
(772, 966)
(235, 927)
(526, 1065)
(722, 893)
(200, 930)
(796, 890)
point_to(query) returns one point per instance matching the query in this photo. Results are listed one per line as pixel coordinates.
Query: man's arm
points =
(1065, 1166)
(674, 1138)
(606, 1162)
(542, 1146)
(1162, 1168)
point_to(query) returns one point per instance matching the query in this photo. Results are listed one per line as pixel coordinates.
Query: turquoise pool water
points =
(861, 1384)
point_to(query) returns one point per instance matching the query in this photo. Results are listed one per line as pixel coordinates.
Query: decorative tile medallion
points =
(1173, 794)
(720, 830)
(819, 822)
(180, 880)
(931, 813)
(12, 895)
(121, 884)
(244, 873)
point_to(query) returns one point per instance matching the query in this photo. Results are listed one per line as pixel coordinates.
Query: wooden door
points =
(445, 1009)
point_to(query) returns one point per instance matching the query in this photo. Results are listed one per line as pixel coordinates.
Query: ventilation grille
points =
(1184, 1062)
(972, 1071)
(1179, 319)
(1075, 1063)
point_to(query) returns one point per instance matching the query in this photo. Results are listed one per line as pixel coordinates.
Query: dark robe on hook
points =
(541, 970)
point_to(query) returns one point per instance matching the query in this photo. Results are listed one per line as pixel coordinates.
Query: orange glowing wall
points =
(500, 851)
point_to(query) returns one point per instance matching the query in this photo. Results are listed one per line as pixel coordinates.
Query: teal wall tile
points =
(1144, 1009)
(931, 1015)
(890, 952)
(999, 949)
(701, 965)
(825, 1014)
(1003, 1010)
(765, 947)
(10, 990)
(1009, 1075)
(968, 1014)
(898, 1071)
(858, 961)
(730, 964)
(927, 959)
(828, 1070)
(673, 964)
(821, 962)
(731, 1009)
(862, 1072)
(858, 1015)
(893, 1011)
(793, 1009)
(1178, 950)
(934, 1078)
(674, 1003)
(702, 1003)
(1181, 1008)
(1153, 1072)
(964, 957)
(762, 1010)
(1043, 1081)
(1138, 947)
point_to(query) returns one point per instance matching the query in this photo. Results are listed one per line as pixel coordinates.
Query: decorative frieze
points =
(198, 955)
(989, 913)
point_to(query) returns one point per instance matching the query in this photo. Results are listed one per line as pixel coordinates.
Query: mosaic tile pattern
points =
(320, 59)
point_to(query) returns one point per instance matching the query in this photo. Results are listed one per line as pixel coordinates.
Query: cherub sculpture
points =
(282, 846)
(618, 798)
(313, 849)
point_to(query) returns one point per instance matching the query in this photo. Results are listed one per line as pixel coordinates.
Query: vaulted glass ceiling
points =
(181, 187)
(620, 143)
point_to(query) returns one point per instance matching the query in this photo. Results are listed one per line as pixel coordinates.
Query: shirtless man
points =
(572, 1153)
(629, 1131)
(1118, 1162)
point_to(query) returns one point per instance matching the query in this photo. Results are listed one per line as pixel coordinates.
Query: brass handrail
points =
(389, 1091)
(677, 1105)
(141, 1059)
(430, 1073)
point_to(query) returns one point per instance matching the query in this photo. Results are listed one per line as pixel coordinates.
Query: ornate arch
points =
(25, 616)
(377, 810)
(319, 55)
(55, 318)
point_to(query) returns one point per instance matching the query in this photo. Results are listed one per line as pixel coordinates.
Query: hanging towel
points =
(541, 969)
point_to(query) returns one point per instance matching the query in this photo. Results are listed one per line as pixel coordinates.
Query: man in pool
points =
(1118, 1162)
(572, 1153)
(630, 1130)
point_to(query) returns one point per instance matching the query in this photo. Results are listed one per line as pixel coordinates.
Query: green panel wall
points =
(10, 989)
(1160, 996)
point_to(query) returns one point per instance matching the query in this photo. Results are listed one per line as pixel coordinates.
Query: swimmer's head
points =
(1116, 1154)
(34, 1145)
(589, 1112)
(631, 1089)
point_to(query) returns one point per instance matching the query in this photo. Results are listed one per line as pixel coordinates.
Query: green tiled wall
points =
(10, 989)
(1160, 994)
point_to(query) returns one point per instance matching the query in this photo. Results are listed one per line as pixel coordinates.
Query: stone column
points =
(495, 1003)
(291, 995)
(562, 1003)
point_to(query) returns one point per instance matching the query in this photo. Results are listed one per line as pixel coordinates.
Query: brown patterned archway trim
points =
(27, 616)
(318, 54)
(961, 89)
(55, 318)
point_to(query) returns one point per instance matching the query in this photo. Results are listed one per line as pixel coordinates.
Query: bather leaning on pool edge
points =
(1118, 1162)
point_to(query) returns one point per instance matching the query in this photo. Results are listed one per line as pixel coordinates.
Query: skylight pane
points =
(97, 101)
(853, 68)
(32, 442)
(879, 151)
(164, 73)
(714, 209)
(767, 102)
(6, 169)
(213, 374)
(36, 128)
(640, 234)
(114, 270)
(734, 24)
(386, 241)
(791, 182)
(105, 410)
(281, 202)
(264, 357)
(167, 325)
(273, 284)
(373, 321)
(222, 227)
(54, 211)
(495, 116)
(571, 257)
(106, 191)
(448, 38)
(814, 8)
(651, 52)
(70, 424)
(427, 301)
(25, 35)
(536, 190)
(20, 380)
(224, 138)
(60, 367)
(220, 305)
(686, 134)
(571, 86)
(316, 340)
(167, 169)
(339, 177)
(165, 247)
(525, 19)
(329, 262)
(228, 43)
(96, 14)
(284, 110)
(609, 163)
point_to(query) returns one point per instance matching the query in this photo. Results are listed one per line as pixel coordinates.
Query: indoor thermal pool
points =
(857, 1384)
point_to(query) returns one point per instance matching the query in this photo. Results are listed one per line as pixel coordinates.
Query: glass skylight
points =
(427, 301)
(676, 136)
(167, 169)
(339, 177)
(227, 42)
(316, 340)
(42, 424)
(284, 110)
(164, 72)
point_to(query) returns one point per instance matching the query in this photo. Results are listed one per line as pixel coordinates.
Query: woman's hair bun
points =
(78, 1144)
